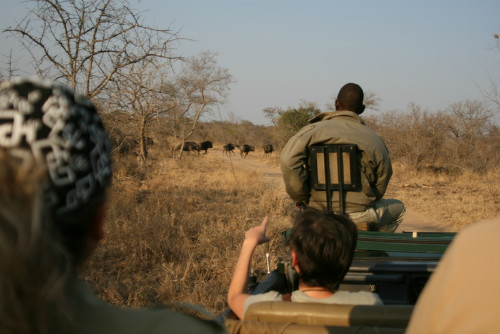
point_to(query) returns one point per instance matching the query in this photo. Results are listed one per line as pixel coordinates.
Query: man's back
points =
(340, 127)
(367, 208)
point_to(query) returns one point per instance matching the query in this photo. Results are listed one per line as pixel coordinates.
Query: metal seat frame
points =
(334, 167)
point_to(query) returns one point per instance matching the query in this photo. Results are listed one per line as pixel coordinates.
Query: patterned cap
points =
(61, 130)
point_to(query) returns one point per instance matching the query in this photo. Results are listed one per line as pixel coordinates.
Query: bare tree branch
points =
(88, 42)
(200, 84)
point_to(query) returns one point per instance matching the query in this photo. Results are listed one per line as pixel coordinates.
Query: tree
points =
(293, 119)
(418, 138)
(88, 42)
(470, 123)
(493, 95)
(493, 92)
(138, 98)
(200, 84)
(273, 114)
(470, 119)
(8, 67)
(371, 100)
(458, 138)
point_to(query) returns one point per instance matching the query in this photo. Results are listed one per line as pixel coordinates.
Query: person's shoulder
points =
(266, 296)
(357, 298)
(270, 296)
(306, 129)
(175, 318)
(180, 318)
(341, 297)
(191, 319)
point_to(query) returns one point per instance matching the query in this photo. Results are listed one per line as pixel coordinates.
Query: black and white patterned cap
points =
(60, 129)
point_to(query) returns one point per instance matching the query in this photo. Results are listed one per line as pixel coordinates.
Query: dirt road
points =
(414, 221)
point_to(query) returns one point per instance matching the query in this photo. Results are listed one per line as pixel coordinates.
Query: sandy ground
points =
(414, 221)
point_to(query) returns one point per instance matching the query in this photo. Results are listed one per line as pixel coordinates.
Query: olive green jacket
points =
(338, 127)
(92, 315)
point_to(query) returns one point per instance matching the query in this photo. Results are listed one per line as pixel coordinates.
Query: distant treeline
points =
(463, 137)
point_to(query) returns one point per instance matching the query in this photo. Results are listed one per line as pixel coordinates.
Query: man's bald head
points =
(350, 98)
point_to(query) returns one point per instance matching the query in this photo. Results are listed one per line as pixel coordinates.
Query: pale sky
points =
(429, 52)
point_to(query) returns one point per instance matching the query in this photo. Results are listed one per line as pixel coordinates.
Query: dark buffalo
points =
(228, 148)
(126, 145)
(204, 146)
(245, 149)
(188, 146)
(268, 149)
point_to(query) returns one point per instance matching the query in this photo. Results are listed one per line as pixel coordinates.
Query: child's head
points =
(324, 244)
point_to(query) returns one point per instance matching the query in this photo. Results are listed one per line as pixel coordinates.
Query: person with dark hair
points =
(322, 247)
(55, 171)
(366, 207)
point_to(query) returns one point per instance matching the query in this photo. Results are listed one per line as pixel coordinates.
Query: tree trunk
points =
(143, 150)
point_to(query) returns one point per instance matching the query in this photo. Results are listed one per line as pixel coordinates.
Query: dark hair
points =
(325, 245)
(351, 97)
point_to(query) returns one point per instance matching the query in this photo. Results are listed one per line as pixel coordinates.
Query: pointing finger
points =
(265, 222)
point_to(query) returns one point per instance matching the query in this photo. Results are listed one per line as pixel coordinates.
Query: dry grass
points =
(174, 227)
(456, 199)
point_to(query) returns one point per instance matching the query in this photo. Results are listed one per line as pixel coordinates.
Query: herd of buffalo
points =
(227, 149)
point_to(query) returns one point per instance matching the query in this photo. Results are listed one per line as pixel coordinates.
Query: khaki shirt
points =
(339, 127)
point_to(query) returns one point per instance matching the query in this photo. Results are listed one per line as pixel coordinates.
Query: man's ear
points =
(337, 105)
(97, 228)
(295, 259)
(295, 262)
(361, 109)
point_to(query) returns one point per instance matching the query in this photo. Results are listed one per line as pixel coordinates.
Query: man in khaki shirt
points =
(344, 126)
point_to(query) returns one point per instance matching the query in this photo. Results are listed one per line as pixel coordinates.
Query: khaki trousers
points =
(386, 215)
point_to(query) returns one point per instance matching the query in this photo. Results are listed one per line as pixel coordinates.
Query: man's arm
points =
(384, 173)
(294, 158)
(237, 295)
